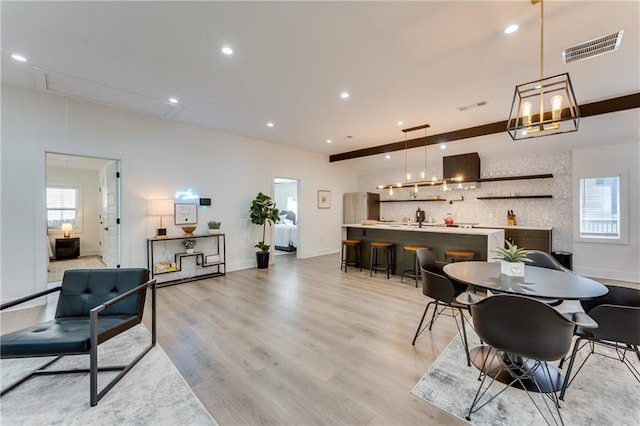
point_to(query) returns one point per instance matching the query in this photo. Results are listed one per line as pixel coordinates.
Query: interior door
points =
(110, 191)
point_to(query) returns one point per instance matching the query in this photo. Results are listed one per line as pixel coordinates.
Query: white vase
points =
(190, 251)
(214, 231)
(513, 269)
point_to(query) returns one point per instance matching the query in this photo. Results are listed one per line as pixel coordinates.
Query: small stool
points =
(458, 255)
(415, 272)
(357, 254)
(376, 246)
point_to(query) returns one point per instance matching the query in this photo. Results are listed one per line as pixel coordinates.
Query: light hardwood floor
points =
(299, 343)
(303, 343)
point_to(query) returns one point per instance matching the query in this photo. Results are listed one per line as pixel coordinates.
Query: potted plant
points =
(214, 227)
(512, 259)
(263, 211)
(189, 245)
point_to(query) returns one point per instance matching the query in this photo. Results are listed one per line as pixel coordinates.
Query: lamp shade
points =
(160, 207)
(66, 229)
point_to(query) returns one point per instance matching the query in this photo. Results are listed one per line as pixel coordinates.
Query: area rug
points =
(152, 393)
(603, 393)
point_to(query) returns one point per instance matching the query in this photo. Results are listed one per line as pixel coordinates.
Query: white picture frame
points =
(185, 214)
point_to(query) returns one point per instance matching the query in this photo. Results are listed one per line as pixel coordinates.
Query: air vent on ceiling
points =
(592, 48)
(471, 106)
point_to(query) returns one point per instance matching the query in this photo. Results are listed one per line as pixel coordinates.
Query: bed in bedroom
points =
(286, 232)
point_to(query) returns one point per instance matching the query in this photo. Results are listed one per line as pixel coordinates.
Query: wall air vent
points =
(592, 48)
(471, 106)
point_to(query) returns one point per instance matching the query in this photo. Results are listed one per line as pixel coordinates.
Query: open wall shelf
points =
(408, 201)
(511, 197)
(523, 177)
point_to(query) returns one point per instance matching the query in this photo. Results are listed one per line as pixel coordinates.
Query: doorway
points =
(287, 230)
(83, 193)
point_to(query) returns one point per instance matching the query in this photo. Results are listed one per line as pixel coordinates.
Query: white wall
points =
(158, 157)
(88, 182)
(615, 261)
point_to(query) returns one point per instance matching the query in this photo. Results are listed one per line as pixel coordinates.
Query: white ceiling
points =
(410, 61)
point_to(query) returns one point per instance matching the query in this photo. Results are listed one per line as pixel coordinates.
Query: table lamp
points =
(66, 229)
(161, 208)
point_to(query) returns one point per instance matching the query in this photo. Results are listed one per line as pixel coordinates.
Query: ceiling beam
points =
(606, 106)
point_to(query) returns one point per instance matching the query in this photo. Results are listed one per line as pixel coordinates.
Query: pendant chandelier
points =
(407, 174)
(543, 107)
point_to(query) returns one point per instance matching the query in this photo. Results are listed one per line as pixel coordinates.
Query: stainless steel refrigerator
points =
(359, 206)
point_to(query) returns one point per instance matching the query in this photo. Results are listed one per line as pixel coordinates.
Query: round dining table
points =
(541, 283)
(537, 282)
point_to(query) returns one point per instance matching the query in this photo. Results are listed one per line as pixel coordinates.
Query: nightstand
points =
(67, 248)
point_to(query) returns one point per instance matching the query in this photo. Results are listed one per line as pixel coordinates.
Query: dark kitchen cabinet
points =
(530, 239)
(67, 248)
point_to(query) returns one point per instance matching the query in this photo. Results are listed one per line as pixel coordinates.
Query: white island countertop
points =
(426, 228)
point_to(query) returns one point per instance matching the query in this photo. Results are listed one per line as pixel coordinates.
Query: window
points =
(62, 206)
(600, 207)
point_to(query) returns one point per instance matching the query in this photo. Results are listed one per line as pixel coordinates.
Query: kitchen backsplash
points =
(556, 212)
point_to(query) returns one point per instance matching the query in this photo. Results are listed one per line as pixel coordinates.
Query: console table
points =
(170, 264)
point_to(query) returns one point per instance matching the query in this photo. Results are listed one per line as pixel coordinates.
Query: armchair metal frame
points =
(94, 337)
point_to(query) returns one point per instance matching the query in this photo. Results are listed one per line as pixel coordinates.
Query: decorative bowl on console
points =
(188, 230)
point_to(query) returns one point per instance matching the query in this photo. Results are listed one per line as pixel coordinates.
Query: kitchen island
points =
(438, 238)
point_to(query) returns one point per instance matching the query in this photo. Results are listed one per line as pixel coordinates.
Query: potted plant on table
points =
(214, 227)
(189, 245)
(512, 259)
(263, 211)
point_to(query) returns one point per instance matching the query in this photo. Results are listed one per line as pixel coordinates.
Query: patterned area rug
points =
(603, 393)
(153, 392)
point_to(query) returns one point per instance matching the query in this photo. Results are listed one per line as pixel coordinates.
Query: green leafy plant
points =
(512, 253)
(189, 243)
(212, 224)
(263, 211)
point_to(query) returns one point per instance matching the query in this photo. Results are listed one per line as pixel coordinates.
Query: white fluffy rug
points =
(603, 393)
(152, 392)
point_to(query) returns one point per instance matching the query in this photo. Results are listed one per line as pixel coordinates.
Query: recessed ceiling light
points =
(329, 141)
(173, 100)
(18, 57)
(400, 123)
(227, 50)
(443, 146)
(511, 29)
(270, 124)
(344, 95)
(388, 157)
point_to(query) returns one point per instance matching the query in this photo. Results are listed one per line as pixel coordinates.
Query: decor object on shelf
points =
(528, 118)
(188, 230)
(186, 214)
(189, 245)
(66, 229)
(214, 227)
(161, 208)
(512, 259)
(263, 211)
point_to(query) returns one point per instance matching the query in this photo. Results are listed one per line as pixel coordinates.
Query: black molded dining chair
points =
(545, 260)
(520, 346)
(443, 292)
(618, 316)
(94, 305)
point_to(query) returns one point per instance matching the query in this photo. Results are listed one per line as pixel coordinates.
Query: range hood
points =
(461, 171)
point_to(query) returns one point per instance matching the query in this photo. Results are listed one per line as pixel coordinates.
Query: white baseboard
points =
(610, 274)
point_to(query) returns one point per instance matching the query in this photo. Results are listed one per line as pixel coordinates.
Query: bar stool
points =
(357, 254)
(376, 246)
(458, 255)
(415, 272)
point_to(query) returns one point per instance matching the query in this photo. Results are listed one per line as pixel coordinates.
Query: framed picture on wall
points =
(185, 214)
(324, 199)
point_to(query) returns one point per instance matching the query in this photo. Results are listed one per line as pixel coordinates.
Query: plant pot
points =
(190, 251)
(513, 269)
(214, 231)
(262, 258)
